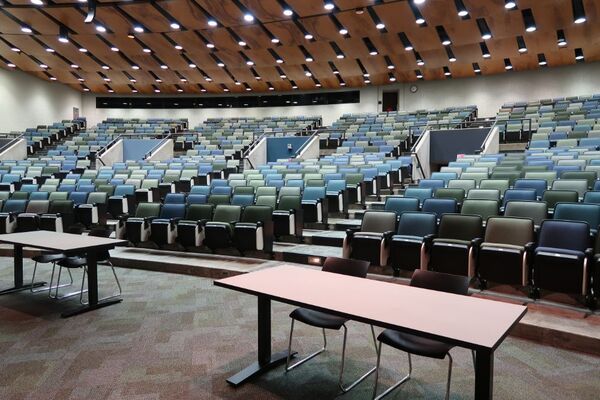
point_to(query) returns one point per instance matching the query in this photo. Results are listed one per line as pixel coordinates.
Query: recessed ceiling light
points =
(248, 17)
(578, 12)
(43, 66)
(49, 50)
(242, 43)
(83, 49)
(329, 5)
(105, 67)
(74, 66)
(26, 29)
(16, 49)
(175, 25)
(11, 65)
(274, 40)
(86, 89)
(115, 49)
(138, 29)
(192, 65)
(210, 45)
(146, 50)
(52, 78)
(37, 2)
(510, 4)
(164, 66)
(213, 23)
(178, 47)
(100, 28)
(136, 67)
(308, 36)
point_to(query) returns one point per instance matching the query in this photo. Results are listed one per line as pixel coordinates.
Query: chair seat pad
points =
(443, 241)
(369, 235)
(512, 247)
(560, 252)
(407, 238)
(317, 318)
(414, 344)
(48, 257)
(73, 262)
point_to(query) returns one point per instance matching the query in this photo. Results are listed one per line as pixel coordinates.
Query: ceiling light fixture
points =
(507, 64)
(447, 71)
(405, 41)
(419, 59)
(561, 38)
(450, 53)
(579, 54)
(370, 46)
(476, 69)
(461, 9)
(542, 60)
(419, 19)
(521, 44)
(63, 34)
(485, 52)
(443, 35)
(391, 77)
(389, 63)
(529, 20)
(418, 74)
(328, 5)
(484, 29)
(510, 4)
(578, 12)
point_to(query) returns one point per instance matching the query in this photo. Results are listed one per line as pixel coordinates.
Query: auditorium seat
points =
(288, 218)
(30, 219)
(255, 230)
(371, 241)
(60, 216)
(190, 230)
(406, 246)
(501, 256)
(536, 210)
(163, 229)
(138, 227)
(219, 231)
(451, 251)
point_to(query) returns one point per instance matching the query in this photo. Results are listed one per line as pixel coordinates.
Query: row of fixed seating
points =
(521, 120)
(558, 258)
(238, 133)
(247, 228)
(46, 135)
(389, 128)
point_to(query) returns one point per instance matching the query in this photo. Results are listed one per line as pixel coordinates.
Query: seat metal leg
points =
(289, 367)
(346, 389)
(449, 377)
(59, 286)
(50, 288)
(397, 384)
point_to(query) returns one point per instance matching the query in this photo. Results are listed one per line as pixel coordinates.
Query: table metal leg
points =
(93, 303)
(484, 374)
(266, 360)
(18, 273)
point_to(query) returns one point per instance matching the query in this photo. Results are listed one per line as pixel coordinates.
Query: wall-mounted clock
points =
(414, 88)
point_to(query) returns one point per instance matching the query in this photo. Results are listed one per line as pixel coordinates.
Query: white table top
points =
(460, 320)
(59, 241)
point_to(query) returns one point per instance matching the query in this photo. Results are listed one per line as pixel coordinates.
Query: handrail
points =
(482, 147)
(414, 153)
(305, 144)
(12, 142)
(158, 146)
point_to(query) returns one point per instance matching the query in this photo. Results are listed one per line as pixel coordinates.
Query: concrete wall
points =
(164, 152)
(136, 149)
(27, 101)
(258, 155)
(18, 151)
(311, 150)
(277, 147)
(112, 155)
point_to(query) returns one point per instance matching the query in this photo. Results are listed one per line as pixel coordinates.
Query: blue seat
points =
(242, 200)
(539, 185)
(519, 194)
(78, 197)
(419, 193)
(221, 190)
(432, 183)
(174, 198)
(197, 198)
(586, 212)
(39, 196)
(205, 190)
(86, 188)
(439, 206)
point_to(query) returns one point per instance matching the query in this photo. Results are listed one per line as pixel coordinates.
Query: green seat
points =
(217, 199)
(464, 184)
(551, 197)
(108, 189)
(548, 176)
(457, 194)
(578, 185)
(476, 176)
(19, 196)
(483, 208)
(266, 200)
(510, 176)
(58, 196)
(266, 191)
(483, 194)
(255, 230)
(243, 190)
(501, 185)
(219, 231)
(536, 210)
(589, 176)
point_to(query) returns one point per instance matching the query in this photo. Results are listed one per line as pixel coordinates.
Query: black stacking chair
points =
(357, 268)
(81, 262)
(414, 344)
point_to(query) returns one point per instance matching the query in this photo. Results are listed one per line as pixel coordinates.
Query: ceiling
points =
(167, 69)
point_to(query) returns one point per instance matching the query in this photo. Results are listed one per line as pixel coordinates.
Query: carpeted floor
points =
(179, 337)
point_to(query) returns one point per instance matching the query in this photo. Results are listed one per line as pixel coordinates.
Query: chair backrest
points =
(592, 197)
(61, 207)
(293, 202)
(457, 194)
(483, 208)
(536, 210)
(289, 191)
(589, 213)
(257, 214)
(218, 199)
(17, 206)
(145, 210)
(483, 194)
(518, 194)
(460, 227)
(378, 221)
(553, 197)
(175, 198)
(417, 224)
(344, 266)
(197, 212)
(419, 193)
(314, 193)
(400, 205)
(539, 185)
(172, 211)
(97, 198)
(38, 206)
(242, 199)
(440, 281)
(570, 235)
(439, 206)
(506, 230)
(227, 213)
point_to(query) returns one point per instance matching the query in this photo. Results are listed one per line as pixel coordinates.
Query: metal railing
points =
(14, 138)
(314, 133)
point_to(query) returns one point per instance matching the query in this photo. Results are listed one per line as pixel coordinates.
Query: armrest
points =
(475, 243)
(428, 241)
(589, 253)
(350, 233)
(388, 235)
(175, 220)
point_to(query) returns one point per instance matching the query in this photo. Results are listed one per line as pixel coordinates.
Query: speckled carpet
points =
(179, 337)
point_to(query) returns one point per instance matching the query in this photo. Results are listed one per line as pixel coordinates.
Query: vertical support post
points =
(18, 265)
(92, 267)
(264, 330)
(484, 374)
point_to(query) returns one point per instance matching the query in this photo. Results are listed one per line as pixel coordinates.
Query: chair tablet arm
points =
(350, 233)
(530, 247)
(475, 244)
(388, 235)
(175, 220)
(123, 217)
(589, 253)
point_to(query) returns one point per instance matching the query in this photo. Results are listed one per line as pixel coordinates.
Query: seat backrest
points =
(483, 208)
(242, 199)
(592, 197)
(292, 202)
(17, 206)
(419, 193)
(175, 198)
(344, 266)
(578, 185)
(145, 210)
(257, 214)
(314, 193)
(38, 206)
(289, 191)
(217, 199)
(265, 200)
(400, 205)
(536, 210)
(197, 212)
(227, 213)
(417, 224)
(570, 235)
(552, 197)
(440, 281)
(539, 185)
(483, 194)
(589, 213)
(457, 194)
(379, 221)
(460, 227)
(61, 206)
(172, 211)
(439, 206)
(518, 194)
(506, 230)
(97, 198)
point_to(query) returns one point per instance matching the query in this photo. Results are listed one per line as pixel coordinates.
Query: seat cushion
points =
(559, 252)
(407, 238)
(317, 318)
(414, 344)
(502, 246)
(48, 257)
